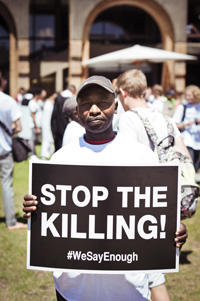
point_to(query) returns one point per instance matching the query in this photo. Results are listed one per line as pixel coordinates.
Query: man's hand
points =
(38, 130)
(30, 204)
(181, 236)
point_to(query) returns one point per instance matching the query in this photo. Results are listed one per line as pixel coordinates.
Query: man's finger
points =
(30, 197)
(30, 203)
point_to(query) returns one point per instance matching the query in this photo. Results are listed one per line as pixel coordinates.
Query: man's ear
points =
(123, 92)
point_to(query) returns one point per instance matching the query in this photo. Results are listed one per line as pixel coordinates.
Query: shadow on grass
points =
(19, 219)
(183, 257)
(2, 220)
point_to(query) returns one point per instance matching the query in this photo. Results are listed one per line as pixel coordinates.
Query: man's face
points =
(96, 107)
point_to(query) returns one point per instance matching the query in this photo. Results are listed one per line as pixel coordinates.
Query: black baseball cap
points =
(96, 80)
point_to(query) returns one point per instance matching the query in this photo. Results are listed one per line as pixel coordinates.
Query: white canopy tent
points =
(136, 54)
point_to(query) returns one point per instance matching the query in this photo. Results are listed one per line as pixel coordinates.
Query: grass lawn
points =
(185, 285)
(17, 283)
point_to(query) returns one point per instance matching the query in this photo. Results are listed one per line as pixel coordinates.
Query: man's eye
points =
(104, 104)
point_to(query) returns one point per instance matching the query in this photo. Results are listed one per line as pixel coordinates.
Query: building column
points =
(75, 59)
(86, 55)
(13, 70)
(23, 64)
(180, 67)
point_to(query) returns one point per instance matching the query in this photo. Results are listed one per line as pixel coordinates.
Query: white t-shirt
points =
(73, 130)
(39, 114)
(130, 124)
(158, 104)
(34, 107)
(76, 286)
(46, 121)
(9, 113)
(191, 134)
(116, 117)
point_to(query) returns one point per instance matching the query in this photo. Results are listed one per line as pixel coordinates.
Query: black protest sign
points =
(104, 218)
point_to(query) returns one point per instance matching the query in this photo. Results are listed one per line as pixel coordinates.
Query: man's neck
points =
(99, 136)
(134, 103)
(99, 142)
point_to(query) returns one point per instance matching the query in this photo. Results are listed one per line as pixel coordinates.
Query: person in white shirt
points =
(101, 145)
(34, 109)
(132, 86)
(9, 122)
(47, 147)
(187, 118)
(74, 128)
(158, 98)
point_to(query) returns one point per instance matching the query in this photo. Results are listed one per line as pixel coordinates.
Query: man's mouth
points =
(95, 120)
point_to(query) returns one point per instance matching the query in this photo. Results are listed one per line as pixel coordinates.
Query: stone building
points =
(43, 42)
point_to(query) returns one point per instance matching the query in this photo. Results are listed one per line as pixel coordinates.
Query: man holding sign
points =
(101, 146)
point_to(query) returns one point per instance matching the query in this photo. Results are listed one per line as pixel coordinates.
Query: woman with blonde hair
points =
(187, 118)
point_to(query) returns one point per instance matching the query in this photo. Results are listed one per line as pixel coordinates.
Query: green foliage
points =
(17, 283)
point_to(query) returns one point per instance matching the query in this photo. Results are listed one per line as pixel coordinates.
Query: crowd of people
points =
(50, 118)
(77, 126)
(184, 110)
(43, 120)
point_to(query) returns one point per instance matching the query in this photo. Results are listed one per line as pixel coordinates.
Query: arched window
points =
(124, 26)
(48, 26)
(48, 36)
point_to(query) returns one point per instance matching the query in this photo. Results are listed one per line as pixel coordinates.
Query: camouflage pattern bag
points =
(169, 152)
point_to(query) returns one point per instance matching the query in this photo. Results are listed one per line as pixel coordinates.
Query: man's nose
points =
(94, 109)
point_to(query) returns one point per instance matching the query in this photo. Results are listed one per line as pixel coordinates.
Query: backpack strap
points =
(153, 136)
(151, 133)
(184, 110)
(148, 127)
(5, 129)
